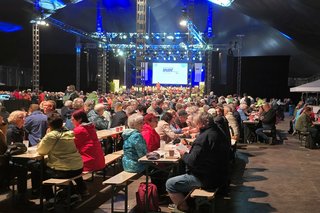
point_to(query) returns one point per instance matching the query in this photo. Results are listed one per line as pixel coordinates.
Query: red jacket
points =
(151, 137)
(89, 147)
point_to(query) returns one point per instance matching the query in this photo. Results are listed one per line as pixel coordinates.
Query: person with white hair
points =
(134, 146)
(206, 163)
(98, 119)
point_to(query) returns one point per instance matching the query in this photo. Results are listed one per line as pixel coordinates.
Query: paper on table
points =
(182, 148)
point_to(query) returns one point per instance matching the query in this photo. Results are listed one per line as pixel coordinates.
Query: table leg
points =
(146, 192)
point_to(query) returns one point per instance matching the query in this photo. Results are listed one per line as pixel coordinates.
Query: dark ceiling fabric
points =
(259, 20)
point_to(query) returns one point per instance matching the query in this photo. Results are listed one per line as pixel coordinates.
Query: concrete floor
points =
(278, 178)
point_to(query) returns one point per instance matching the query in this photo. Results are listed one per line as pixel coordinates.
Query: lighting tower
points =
(209, 77)
(36, 57)
(190, 41)
(141, 25)
(103, 56)
(238, 46)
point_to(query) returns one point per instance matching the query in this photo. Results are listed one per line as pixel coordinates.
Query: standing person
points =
(134, 146)
(64, 160)
(206, 162)
(35, 124)
(87, 142)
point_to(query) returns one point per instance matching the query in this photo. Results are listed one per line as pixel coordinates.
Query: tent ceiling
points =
(259, 20)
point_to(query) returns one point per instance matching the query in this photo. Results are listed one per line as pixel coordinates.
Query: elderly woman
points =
(15, 132)
(64, 160)
(149, 134)
(206, 163)
(97, 117)
(87, 142)
(11, 170)
(134, 146)
(163, 129)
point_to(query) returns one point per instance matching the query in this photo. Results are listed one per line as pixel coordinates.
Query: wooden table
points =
(167, 164)
(106, 133)
(103, 134)
(250, 126)
(32, 154)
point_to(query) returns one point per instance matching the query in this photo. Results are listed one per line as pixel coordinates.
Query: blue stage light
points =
(223, 3)
(51, 4)
(286, 36)
(9, 28)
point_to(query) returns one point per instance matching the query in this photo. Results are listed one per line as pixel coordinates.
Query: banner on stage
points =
(197, 72)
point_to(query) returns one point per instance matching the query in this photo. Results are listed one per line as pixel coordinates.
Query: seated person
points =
(148, 132)
(9, 170)
(206, 163)
(15, 132)
(97, 117)
(64, 160)
(134, 146)
(87, 142)
(268, 121)
(304, 124)
(163, 128)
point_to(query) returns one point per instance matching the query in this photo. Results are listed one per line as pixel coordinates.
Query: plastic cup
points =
(162, 145)
(319, 119)
(121, 128)
(117, 129)
(26, 143)
(171, 152)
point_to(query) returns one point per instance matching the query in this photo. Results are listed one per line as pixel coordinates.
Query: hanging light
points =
(223, 3)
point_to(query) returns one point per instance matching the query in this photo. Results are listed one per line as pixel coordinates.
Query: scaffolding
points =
(36, 57)
(141, 25)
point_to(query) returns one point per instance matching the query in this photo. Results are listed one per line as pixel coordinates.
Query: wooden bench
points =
(66, 182)
(120, 152)
(121, 180)
(203, 197)
(110, 159)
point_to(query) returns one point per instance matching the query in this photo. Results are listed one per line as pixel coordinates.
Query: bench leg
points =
(112, 198)
(126, 199)
(69, 195)
(199, 201)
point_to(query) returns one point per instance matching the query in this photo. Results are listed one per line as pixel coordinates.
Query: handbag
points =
(16, 148)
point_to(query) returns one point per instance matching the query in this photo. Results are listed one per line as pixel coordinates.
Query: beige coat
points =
(233, 124)
(164, 131)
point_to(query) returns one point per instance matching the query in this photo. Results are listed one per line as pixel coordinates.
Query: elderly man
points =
(304, 124)
(35, 124)
(207, 162)
(268, 120)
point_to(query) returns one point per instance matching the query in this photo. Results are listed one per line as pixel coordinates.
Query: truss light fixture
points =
(223, 3)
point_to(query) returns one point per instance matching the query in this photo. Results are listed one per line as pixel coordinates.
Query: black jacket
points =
(14, 134)
(119, 118)
(209, 157)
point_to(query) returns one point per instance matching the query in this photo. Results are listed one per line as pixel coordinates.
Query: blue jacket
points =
(134, 147)
(36, 126)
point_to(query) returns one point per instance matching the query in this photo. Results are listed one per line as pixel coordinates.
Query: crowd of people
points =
(68, 135)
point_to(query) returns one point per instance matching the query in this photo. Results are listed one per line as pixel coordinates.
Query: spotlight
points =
(223, 3)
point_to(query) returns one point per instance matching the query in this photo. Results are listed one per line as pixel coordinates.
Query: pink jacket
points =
(89, 147)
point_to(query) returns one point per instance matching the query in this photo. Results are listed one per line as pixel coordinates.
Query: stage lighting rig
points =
(223, 3)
